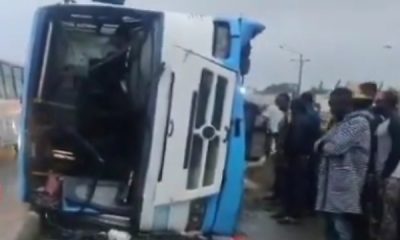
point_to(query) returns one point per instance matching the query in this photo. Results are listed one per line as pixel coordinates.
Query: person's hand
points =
(323, 146)
(327, 147)
(317, 145)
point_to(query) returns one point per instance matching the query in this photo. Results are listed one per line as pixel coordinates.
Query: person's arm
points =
(318, 146)
(394, 155)
(347, 133)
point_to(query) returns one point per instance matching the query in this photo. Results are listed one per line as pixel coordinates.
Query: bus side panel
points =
(31, 75)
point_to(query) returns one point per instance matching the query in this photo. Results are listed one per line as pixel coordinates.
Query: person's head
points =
(386, 102)
(298, 106)
(307, 97)
(362, 103)
(340, 102)
(363, 95)
(283, 102)
(369, 88)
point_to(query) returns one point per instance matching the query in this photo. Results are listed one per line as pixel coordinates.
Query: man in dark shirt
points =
(298, 147)
(386, 104)
(308, 99)
(314, 133)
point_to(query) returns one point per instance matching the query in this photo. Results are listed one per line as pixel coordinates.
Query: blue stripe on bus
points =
(31, 70)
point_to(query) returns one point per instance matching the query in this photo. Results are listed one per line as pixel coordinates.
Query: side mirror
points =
(245, 59)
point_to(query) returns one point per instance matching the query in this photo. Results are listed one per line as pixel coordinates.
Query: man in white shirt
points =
(274, 116)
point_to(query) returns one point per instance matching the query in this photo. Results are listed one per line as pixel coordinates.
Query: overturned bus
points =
(133, 120)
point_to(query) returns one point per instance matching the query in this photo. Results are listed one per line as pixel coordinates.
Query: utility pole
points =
(301, 61)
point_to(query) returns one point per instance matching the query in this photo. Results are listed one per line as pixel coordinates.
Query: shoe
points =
(288, 221)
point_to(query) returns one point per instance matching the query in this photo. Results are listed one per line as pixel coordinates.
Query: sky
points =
(344, 39)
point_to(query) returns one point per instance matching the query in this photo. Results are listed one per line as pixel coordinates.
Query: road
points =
(12, 212)
(256, 223)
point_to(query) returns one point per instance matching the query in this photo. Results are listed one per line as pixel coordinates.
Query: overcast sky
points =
(343, 38)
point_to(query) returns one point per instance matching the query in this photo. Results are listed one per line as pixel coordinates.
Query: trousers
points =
(295, 187)
(338, 227)
(391, 210)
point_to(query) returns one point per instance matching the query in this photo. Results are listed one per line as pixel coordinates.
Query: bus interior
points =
(92, 112)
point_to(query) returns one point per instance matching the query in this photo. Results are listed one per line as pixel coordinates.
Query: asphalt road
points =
(256, 222)
(12, 212)
(258, 225)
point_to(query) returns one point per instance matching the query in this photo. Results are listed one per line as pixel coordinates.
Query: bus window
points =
(17, 74)
(8, 80)
(222, 40)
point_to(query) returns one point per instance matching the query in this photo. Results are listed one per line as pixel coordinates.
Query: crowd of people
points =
(348, 172)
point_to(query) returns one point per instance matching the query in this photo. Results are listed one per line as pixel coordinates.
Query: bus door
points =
(199, 126)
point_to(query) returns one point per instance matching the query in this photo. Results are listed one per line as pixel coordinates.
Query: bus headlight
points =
(242, 90)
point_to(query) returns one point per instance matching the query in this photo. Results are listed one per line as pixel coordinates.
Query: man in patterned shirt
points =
(344, 151)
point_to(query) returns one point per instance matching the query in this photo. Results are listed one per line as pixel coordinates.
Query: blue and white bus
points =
(134, 118)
